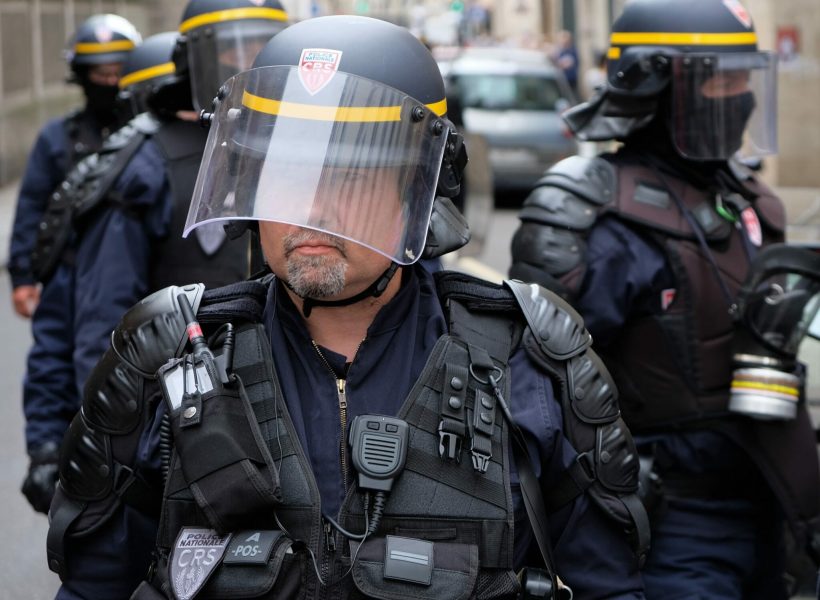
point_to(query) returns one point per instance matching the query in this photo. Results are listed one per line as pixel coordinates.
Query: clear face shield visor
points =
(723, 104)
(219, 51)
(330, 152)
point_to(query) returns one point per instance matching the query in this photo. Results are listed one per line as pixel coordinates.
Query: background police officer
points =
(651, 244)
(95, 55)
(341, 159)
(130, 242)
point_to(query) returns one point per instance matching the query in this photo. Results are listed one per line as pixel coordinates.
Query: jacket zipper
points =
(342, 399)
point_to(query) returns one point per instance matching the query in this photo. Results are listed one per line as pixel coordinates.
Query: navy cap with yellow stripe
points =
(203, 13)
(102, 39)
(668, 27)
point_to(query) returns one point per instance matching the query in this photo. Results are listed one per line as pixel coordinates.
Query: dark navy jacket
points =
(50, 396)
(82, 303)
(114, 250)
(48, 164)
(591, 554)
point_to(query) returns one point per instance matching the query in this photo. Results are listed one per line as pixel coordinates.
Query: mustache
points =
(291, 241)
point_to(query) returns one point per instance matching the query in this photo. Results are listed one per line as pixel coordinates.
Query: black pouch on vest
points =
(256, 564)
(397, 568)
(280, 575)
(225, 462)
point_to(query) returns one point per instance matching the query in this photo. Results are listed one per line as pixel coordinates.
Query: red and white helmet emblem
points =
(739, 11)
(103, 34)
(752, 225)
(317, 66)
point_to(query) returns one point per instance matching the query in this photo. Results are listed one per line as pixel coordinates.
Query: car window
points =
(509, 92)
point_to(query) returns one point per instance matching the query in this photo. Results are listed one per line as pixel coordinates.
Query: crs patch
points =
(739, 11)
(317, 66)
(196, 553)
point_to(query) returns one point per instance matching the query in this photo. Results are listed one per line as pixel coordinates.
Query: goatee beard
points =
(315, 276)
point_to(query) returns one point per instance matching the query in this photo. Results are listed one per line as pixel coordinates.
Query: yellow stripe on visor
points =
(233, 14)
(102, 47)
(682, 39)
(348, 114)
(145, 74)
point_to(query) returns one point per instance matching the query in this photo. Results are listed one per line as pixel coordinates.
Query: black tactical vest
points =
(465, 518)
(689, 344)
(206, 255)
(451, 520)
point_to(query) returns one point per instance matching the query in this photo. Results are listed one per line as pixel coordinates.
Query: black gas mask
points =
(777, 307)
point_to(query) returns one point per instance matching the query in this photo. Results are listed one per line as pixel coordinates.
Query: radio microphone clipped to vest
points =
(379, 451)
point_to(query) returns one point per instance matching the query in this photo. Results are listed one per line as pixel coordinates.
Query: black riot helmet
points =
(148, 68)
(222, 37)
(697, 64)
(101, 39)
(340, 127)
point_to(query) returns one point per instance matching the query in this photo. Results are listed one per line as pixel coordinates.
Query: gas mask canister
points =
(777, 307)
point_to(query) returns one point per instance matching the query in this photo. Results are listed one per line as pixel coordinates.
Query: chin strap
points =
(375, 290)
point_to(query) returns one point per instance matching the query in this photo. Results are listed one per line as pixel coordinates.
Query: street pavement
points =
(23, 571)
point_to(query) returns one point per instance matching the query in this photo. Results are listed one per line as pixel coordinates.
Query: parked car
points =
(514, 98)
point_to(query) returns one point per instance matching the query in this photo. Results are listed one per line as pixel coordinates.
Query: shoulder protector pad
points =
(571, 193)
(149, 334)
(553, 323)
(107, 165)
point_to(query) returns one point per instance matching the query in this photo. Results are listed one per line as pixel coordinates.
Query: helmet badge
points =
(103, 34)
(317, 66)
(740, 13)
(258, 2)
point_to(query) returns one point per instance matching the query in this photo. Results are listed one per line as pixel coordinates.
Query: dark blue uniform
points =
(50, 396)
(626, 275)
(591, 554)
(60, 144)
(114, 250)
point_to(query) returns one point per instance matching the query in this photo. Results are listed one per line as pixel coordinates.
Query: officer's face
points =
(361, 204)
(319, 265)
(728, 83)
(108, 74)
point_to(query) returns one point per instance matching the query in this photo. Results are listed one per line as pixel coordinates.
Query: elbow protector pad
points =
(149, 334)
(91, 467)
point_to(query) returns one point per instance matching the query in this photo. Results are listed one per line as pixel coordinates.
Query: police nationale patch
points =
(667, 298)
(739, 11)
(197, 552)
(752, 225)
(317, 66)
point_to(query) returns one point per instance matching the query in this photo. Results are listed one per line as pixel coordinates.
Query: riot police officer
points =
(651, 245)
(95, 55)
(349, 426)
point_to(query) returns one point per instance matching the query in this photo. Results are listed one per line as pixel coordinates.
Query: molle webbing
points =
(435, 496)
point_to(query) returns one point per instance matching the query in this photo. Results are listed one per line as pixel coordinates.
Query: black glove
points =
(43, 472)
